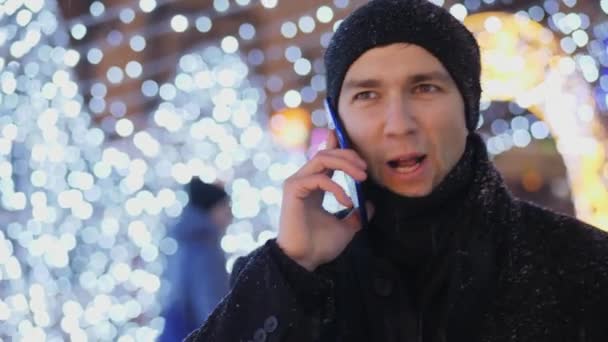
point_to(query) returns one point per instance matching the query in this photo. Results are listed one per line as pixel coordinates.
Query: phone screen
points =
(353, 188)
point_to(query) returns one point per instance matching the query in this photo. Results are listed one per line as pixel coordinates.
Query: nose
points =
(399, 117)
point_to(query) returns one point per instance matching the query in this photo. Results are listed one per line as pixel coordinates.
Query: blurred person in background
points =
(196, 273)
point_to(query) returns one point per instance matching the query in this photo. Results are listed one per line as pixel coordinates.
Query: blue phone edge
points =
(344, 144)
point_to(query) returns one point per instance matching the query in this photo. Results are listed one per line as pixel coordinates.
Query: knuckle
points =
(321, 156)
(352, 154)
(289, 182)
(320, 178)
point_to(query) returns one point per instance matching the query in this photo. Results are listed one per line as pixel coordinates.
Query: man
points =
(196, 273)
(449, 254)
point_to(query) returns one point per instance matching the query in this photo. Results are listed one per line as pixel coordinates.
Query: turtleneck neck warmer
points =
(411, 230)
(442, 245)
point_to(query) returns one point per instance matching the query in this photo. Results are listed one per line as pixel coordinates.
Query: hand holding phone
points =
(309, 234)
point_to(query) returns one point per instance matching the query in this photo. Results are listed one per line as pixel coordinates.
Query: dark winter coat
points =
(508, 271)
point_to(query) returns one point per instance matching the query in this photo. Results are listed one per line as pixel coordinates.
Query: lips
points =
(406, 163)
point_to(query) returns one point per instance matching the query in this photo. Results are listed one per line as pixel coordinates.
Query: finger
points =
(353, 219)
(327, 162)
(331, 141)
(302, 187)
(349, 154)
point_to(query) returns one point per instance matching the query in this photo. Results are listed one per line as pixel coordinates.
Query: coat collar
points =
(462, 281)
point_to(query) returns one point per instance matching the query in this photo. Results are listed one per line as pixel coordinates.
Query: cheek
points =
(358, 135)
(364, 145)
(361, 144)
(446, 133)
(449, 142)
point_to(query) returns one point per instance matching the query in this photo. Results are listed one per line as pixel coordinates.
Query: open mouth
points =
(406, 165)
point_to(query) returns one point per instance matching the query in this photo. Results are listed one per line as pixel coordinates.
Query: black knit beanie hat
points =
(203, 195)
(419, 22)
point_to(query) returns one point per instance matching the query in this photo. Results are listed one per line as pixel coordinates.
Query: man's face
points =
(405, 116)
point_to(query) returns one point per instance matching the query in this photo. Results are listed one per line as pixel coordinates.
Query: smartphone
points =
(354, 188)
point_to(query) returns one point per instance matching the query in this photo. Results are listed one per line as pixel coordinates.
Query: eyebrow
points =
(415, 78)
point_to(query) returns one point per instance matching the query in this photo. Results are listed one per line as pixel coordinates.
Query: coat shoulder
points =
(545, 226)
(563, 244)
(553, 277)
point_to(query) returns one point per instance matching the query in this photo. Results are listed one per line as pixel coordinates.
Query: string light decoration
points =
(82, 255)
(87, 206)
(524, 63)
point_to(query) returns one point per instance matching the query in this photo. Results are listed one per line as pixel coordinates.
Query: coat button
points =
(259, 336)
(383, 287)
(271, 324)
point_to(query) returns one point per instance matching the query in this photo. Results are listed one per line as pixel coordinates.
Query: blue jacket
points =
(196, 274)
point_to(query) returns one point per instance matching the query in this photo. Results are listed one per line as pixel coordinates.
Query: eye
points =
(426, 88)
(365, 95)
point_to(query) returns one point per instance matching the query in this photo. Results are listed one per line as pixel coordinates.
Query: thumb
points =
(353, 219)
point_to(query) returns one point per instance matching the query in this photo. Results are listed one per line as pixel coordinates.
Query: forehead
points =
(394, 60)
